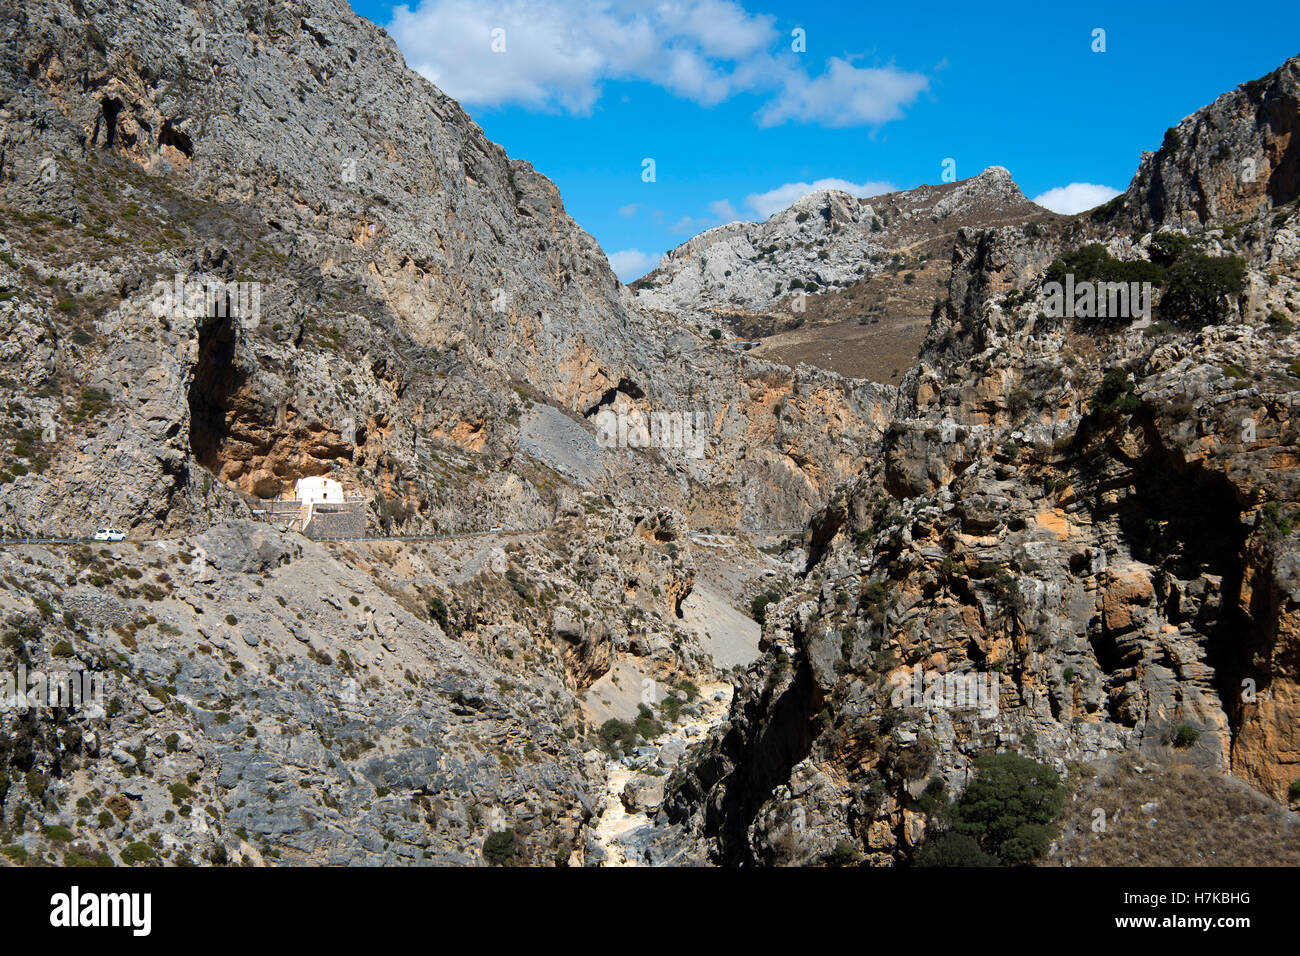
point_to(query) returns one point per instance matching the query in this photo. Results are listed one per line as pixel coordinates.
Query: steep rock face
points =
(834, 281)
(1237, 158)
(274, 700)
(1114, 561)
(399, 306)
(418, 289)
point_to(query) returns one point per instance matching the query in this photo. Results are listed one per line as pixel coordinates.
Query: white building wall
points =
(318, 489)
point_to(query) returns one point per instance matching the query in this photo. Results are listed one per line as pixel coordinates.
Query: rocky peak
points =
(1233, 159)
(828, 238)
(833, 280)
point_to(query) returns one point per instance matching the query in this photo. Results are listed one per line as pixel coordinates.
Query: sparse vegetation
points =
(500, 847)
(758, 606)
(1116, 395)
(1006, 814)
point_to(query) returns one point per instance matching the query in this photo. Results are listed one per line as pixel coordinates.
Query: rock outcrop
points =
(1094, 519)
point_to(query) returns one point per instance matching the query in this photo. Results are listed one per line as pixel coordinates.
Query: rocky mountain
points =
(419, 286)
(1096, 516)
(834, 280)
(630, 594)
(1225, 164)
(243, 245)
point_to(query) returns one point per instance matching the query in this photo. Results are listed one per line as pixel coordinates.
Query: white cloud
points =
(844, 95)
(631, 264)
(1075, 197)
(628, 211)
(774, 200)
(723, 209)
(558, 53)
(720, 211)
(691, 225)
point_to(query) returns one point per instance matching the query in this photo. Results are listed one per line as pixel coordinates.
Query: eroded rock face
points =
(1235, 159)
(1119, 573)
(268, 698)
(417, 292)
(829, 238)
(245, 247)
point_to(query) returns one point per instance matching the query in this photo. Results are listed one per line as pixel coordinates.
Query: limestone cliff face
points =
(1113, 555)
(398, 305)
(419, 289)
(1116, 561)
(1231, 161)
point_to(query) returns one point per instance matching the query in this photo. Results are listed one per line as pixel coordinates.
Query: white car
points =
(495, 527)
(109, 534)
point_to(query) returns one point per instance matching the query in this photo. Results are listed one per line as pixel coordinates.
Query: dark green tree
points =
(500, 847)
(1115, 395)
(953, 849)
(1198, 288)
(1009, 807)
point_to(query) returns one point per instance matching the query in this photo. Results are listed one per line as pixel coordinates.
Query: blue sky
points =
(739, 122)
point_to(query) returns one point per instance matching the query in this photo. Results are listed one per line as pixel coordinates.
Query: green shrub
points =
(93, 401)
(1275, 523)
(758, 606)
(671, 707)
(1166, 247)
(500, 847)
(137, 852)
(1294, 791)
(438, 611)
(646, 726)
(1009, 807)
(1116, 395)
(1197, 288)
(1279, 323)
(73, 858)
(953, 849)
(717, 333)
(180, 793)
(844, 854)
(1186, 736)
(873, 594)
(616, 735)
(1092, 263)
(15, 853)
